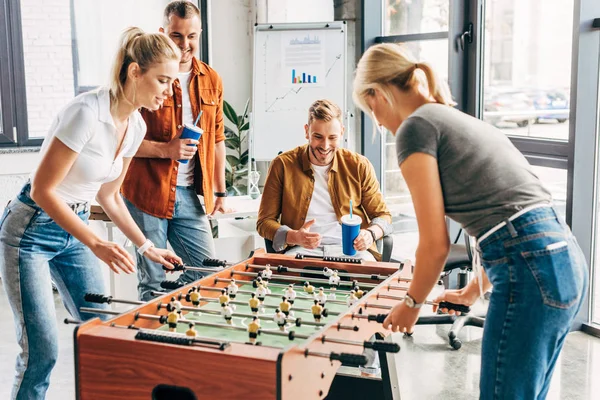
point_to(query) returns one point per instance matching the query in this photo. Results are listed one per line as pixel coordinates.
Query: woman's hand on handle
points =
(401, 318)
(162, 256)
(466, 296)
(115, 256)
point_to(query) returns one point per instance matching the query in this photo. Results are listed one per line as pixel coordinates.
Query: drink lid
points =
(355, 220)
(194, 128)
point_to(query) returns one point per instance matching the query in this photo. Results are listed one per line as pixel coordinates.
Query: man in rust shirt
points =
(162, 193)
(308, 190)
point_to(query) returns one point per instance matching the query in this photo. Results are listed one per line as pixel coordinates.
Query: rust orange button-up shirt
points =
(150, 183)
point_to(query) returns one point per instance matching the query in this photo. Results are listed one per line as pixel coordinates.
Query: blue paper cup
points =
(190, 132)
(350, 230)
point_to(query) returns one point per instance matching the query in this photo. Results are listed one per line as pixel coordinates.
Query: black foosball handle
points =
(379, 345)
(171, 285)
(214, 262)
(176, 267)
(351, 360)
(456, 307)
(97, 298)
(377, 318)
(157, 337)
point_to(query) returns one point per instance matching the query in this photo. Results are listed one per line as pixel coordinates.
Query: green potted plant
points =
(236, 173)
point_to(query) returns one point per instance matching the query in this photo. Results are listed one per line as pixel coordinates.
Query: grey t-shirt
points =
(484, 178)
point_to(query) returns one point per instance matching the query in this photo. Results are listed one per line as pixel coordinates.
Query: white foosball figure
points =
(321, 297)
(290, 293)
(327, 272)
(227, 312)
(261, 292)
(175, 304)
(334, 281)
(266, 273)
(266, 286)
(279, 319)
(351, 299)
(232, 289)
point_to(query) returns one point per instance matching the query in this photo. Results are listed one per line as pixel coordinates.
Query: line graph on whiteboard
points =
(301, 66)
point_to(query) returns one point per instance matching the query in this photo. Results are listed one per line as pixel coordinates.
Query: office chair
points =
(384, 247)
(460, 256)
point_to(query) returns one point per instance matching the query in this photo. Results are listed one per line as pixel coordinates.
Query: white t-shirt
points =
(321, 209)
(86, 126)
(185, 173)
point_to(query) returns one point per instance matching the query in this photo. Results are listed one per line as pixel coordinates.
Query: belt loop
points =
(511, 229)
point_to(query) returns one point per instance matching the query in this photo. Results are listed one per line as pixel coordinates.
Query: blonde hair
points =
(390, 64)
(324, 110)
(145, 49)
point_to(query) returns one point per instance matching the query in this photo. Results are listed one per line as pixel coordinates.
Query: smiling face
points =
(324, 137)
(154, 86)
(185, 32)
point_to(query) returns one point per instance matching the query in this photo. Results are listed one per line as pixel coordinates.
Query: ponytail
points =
(145, 49)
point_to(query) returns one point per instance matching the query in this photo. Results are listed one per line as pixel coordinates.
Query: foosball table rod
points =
(281, 268)
(303, 279)
(311, 299)
(163, 320)
(241, 303)
(255, 284)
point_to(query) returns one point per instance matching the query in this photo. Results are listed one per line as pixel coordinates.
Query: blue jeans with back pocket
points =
(540, 279)
(34, 251)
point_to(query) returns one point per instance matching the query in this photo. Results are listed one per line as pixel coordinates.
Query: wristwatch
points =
(411, 302)
(220, 194)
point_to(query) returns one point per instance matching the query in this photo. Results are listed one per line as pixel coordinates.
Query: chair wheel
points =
(456, 343)
(451, 336)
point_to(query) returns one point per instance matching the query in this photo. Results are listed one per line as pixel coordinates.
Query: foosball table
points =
(270, 327)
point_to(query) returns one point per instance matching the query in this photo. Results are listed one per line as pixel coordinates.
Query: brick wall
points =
(47, 51)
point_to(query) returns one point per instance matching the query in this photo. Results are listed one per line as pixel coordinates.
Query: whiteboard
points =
(294, 65)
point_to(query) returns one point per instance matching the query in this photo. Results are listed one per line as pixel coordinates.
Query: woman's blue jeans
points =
(34, 251)
(540, 279)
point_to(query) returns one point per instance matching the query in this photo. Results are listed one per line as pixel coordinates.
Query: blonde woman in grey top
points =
(458, 166)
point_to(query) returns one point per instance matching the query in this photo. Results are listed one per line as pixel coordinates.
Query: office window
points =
(527, 67)
(61, 48)
(405, 17)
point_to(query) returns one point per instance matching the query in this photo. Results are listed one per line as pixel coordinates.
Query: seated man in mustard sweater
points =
(308, 190)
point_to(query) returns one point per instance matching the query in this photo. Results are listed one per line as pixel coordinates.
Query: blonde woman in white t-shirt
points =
(44, 233)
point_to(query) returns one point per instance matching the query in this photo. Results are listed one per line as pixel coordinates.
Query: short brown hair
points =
(324, 110)
(181, 8)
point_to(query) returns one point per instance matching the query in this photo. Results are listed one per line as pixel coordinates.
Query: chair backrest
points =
(269, 246)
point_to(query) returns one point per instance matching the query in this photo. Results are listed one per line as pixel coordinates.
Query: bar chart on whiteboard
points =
(293, 67)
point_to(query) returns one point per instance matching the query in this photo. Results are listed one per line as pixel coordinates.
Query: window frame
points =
(12, 79)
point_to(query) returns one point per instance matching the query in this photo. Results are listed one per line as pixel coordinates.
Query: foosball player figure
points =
(334, 281)
(309, 289)
(359, 293)
(351, 299)
(279, 319)
(317, 311)
(232, 289)
(290, 293)
(266, 286)
(174, 304)
(227, 313)
(191, 332)
(266, 273)
(253, 328)
(254, 303)
(261, 292)
(285, 306)
(172, 319)
(223, 298)
(327, 272)
(195, 297)
(321, 297)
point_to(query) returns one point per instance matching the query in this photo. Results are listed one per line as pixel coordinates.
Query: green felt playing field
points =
(300, 309)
